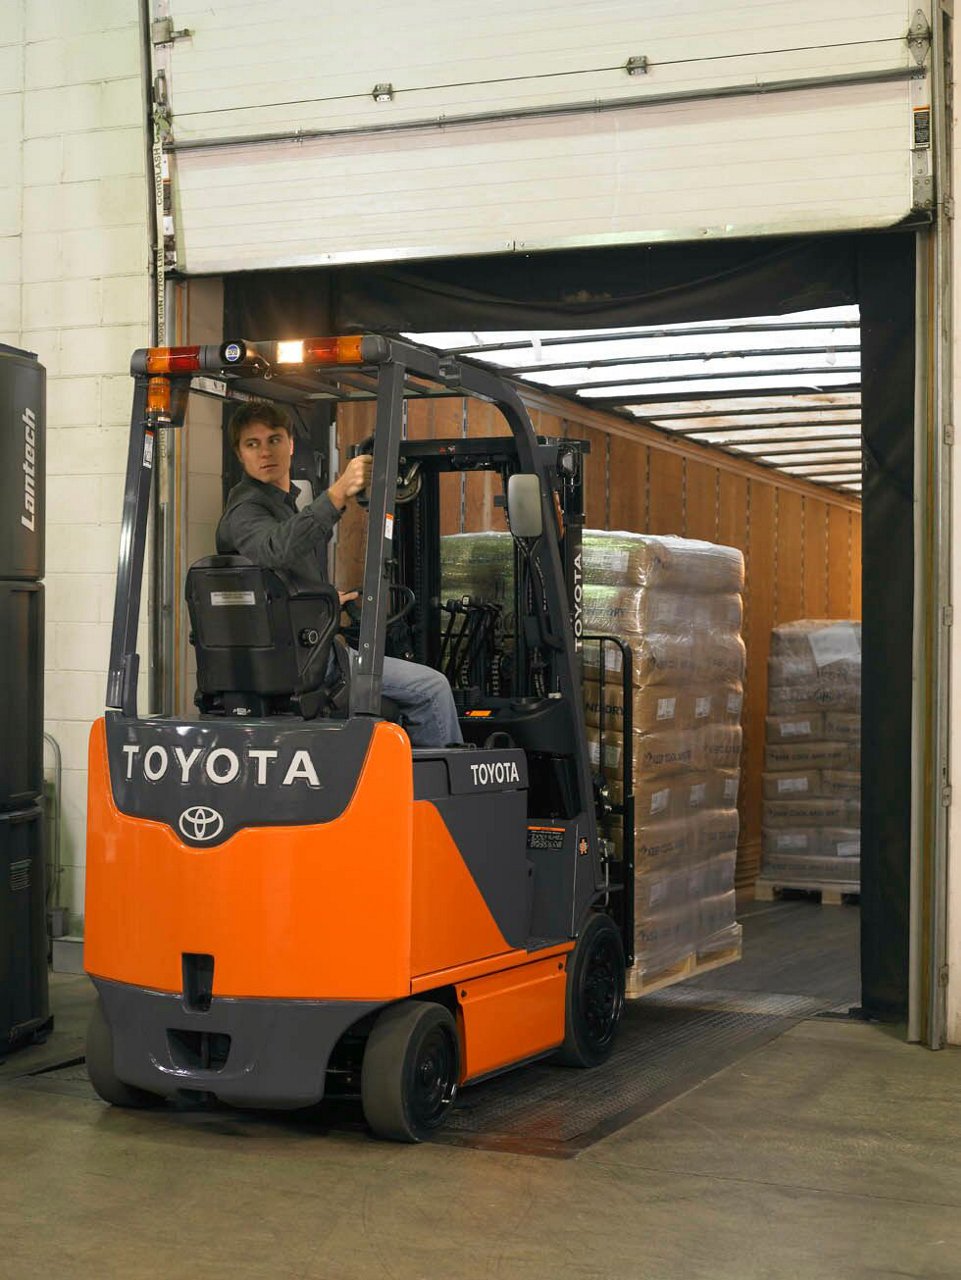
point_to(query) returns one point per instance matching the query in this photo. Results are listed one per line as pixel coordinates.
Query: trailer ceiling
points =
(784, 391)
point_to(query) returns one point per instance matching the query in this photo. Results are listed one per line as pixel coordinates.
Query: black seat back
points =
(260, 647)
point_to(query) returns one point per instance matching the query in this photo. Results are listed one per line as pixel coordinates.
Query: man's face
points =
(265, 453)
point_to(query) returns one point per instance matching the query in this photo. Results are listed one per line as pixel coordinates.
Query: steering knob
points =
(309, 637)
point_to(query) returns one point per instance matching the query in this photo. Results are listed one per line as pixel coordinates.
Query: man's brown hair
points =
(270, 415)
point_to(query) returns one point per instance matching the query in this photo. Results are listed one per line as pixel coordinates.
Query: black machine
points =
(24, 1008)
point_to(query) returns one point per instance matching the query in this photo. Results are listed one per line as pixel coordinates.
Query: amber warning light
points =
(167, 360)
(320, 351)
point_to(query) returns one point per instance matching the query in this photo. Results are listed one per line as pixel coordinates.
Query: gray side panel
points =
(490, 830)
(279, 1049)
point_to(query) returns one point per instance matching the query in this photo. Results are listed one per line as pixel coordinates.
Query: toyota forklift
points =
(285, 900)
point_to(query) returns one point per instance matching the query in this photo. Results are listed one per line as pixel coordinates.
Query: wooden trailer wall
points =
(801, 543)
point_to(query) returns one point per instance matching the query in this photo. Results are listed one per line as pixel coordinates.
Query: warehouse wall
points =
(73, 288)
(802, 543)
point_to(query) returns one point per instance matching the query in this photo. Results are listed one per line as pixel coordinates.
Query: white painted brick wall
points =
(74, 288)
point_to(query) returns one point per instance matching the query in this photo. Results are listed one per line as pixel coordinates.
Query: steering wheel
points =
(353, 607)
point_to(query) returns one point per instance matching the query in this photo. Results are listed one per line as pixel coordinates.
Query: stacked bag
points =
(677, 604)
(812, 777)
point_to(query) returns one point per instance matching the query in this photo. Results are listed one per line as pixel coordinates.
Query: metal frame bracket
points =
(918, 38)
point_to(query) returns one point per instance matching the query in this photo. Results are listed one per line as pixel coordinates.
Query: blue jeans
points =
(426, 703)
(425, 700)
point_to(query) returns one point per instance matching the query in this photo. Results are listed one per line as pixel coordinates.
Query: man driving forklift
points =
(261, 522)
(283, 903)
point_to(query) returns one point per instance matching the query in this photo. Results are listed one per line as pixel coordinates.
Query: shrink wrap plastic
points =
(812, 783)
(677, 604)
(646, 560)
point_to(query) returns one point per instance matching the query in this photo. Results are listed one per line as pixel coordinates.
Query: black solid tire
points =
(100, 1067)
(410, 1069)
(595, 994)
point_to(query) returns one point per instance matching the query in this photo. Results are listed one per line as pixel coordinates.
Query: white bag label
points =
(730, 788)
(614, 560)
(796, 729)
(666, 708)
(792, 840)
(835, 644)
(702, 708)
(660, 800)
(734, 703)
(792, 784)
(698, 793)
(849, 849)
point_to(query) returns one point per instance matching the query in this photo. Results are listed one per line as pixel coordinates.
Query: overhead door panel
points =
(505, 127)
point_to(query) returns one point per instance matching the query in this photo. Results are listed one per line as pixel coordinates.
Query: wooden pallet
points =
(690, 966)
(830, 893)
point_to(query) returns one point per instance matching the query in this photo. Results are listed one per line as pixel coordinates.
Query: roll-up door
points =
(307, 134)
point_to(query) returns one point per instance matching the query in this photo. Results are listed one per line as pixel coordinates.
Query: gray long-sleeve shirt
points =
(262, 523)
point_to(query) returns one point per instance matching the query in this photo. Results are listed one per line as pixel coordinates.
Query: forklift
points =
(285, 900)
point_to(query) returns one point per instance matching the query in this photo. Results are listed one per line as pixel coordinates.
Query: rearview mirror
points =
(524, 513)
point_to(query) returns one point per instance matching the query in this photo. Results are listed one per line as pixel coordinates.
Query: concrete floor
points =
(834, 1151)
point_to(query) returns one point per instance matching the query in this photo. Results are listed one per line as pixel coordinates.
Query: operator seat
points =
(261, 648)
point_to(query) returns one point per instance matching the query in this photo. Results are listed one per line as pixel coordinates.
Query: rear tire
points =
(100, 1067)
(595, 994)
(410, 1070)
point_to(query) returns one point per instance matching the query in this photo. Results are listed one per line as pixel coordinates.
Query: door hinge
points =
(947, 616)
(946, 795)
(922, 179)
(162, 32)
(949, 433)
(919, 37)
(943, 976)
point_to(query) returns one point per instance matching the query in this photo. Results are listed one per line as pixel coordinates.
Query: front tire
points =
(100, 1067)
(595, 994)
(410, 1070)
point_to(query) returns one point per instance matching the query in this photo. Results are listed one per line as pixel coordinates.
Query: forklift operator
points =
(261, 522)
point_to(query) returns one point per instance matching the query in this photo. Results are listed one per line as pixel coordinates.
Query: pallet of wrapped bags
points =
(811, 835)
(676, 603)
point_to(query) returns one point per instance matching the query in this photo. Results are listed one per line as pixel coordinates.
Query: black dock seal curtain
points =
(671, 284)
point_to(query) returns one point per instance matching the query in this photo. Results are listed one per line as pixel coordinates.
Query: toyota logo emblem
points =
(200, 823)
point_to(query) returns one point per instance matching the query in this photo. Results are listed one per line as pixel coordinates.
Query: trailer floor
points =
(830, 1150)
